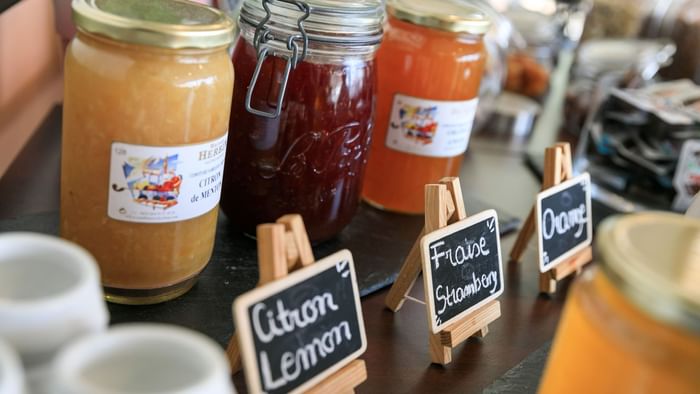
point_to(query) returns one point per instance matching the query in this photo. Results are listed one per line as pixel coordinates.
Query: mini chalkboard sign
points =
(460, 259)
(295, 332)
(564, 221)
(462, 268)
(299, 332)
(562, 249)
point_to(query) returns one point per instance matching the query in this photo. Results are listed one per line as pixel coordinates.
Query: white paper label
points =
(429, 127)
(153, 184)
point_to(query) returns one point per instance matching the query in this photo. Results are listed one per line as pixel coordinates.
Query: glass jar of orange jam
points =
(633, 325)
(430, 66)
(145, 119)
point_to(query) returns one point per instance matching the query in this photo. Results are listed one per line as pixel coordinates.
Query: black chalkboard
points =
(298, 330)
(564, 221)
(5, 4)
(462, 268)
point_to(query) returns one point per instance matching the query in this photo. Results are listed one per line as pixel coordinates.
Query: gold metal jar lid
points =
(447, 15)
(172, 24)
(653, 258)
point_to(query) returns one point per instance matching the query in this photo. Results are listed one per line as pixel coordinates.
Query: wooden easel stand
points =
(558, 167)
(444, 205)
(343, 381)
(284, 247)
(435, 219)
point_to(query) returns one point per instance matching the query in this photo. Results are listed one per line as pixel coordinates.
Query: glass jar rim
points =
(174, 24)
(653, 259)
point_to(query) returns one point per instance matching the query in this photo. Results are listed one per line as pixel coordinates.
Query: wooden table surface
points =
(397, 355)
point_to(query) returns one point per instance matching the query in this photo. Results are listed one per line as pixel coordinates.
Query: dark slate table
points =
(493, 176)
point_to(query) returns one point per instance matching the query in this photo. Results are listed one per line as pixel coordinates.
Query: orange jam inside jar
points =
(145, 119)
(633, 325)
(430, 66)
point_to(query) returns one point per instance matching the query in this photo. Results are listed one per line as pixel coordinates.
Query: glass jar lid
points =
(161, 23)
(653, 258)
(448, 15)
(343, 22)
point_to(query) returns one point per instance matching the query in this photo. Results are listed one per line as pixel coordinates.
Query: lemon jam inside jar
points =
(145, 121)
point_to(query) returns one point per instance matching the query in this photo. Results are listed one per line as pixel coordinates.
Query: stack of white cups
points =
(53, 316)
(50, 295)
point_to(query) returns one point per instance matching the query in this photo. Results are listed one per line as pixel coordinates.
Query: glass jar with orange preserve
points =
(145, 119)
(633, 326)
(430, 66)
(303, 112)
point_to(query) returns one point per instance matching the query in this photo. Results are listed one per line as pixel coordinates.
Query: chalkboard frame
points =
(584, 179)
(427, 272)
(243, 323)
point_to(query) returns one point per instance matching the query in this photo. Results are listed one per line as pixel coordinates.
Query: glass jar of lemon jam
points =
(633, 325)
(145, 121)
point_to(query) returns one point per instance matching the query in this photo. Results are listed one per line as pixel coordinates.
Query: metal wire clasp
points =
(262, 36)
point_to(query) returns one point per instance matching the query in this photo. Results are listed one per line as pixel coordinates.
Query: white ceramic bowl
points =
(11, 375)
(50, 294)
(145, 359)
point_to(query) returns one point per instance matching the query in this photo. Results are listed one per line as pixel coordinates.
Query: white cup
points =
(11, 375)
(50, 294)
(143, 358)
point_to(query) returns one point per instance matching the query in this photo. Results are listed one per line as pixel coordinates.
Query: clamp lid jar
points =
(303, 111)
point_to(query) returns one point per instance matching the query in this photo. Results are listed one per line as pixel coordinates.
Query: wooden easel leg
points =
(439, 353)
(548, 285)
(436, 215)
(233, 354)
(567, 168)
(342, 381)
(554, 169)
(524, 237)
(272, 264)
(407, 277)
(483, 332)
(300, 244)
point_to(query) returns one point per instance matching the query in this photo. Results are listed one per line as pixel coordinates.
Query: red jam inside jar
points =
(311, 159)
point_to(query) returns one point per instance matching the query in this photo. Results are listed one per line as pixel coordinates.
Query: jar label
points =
(157, 184)
(430, 127)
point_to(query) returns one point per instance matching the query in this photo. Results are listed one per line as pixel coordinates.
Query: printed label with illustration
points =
(153, 184)
(431, 128)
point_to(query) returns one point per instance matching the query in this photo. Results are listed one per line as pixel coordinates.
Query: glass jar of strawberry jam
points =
(145, 119)
(633, 325)
(303, 112)
(430, 63)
